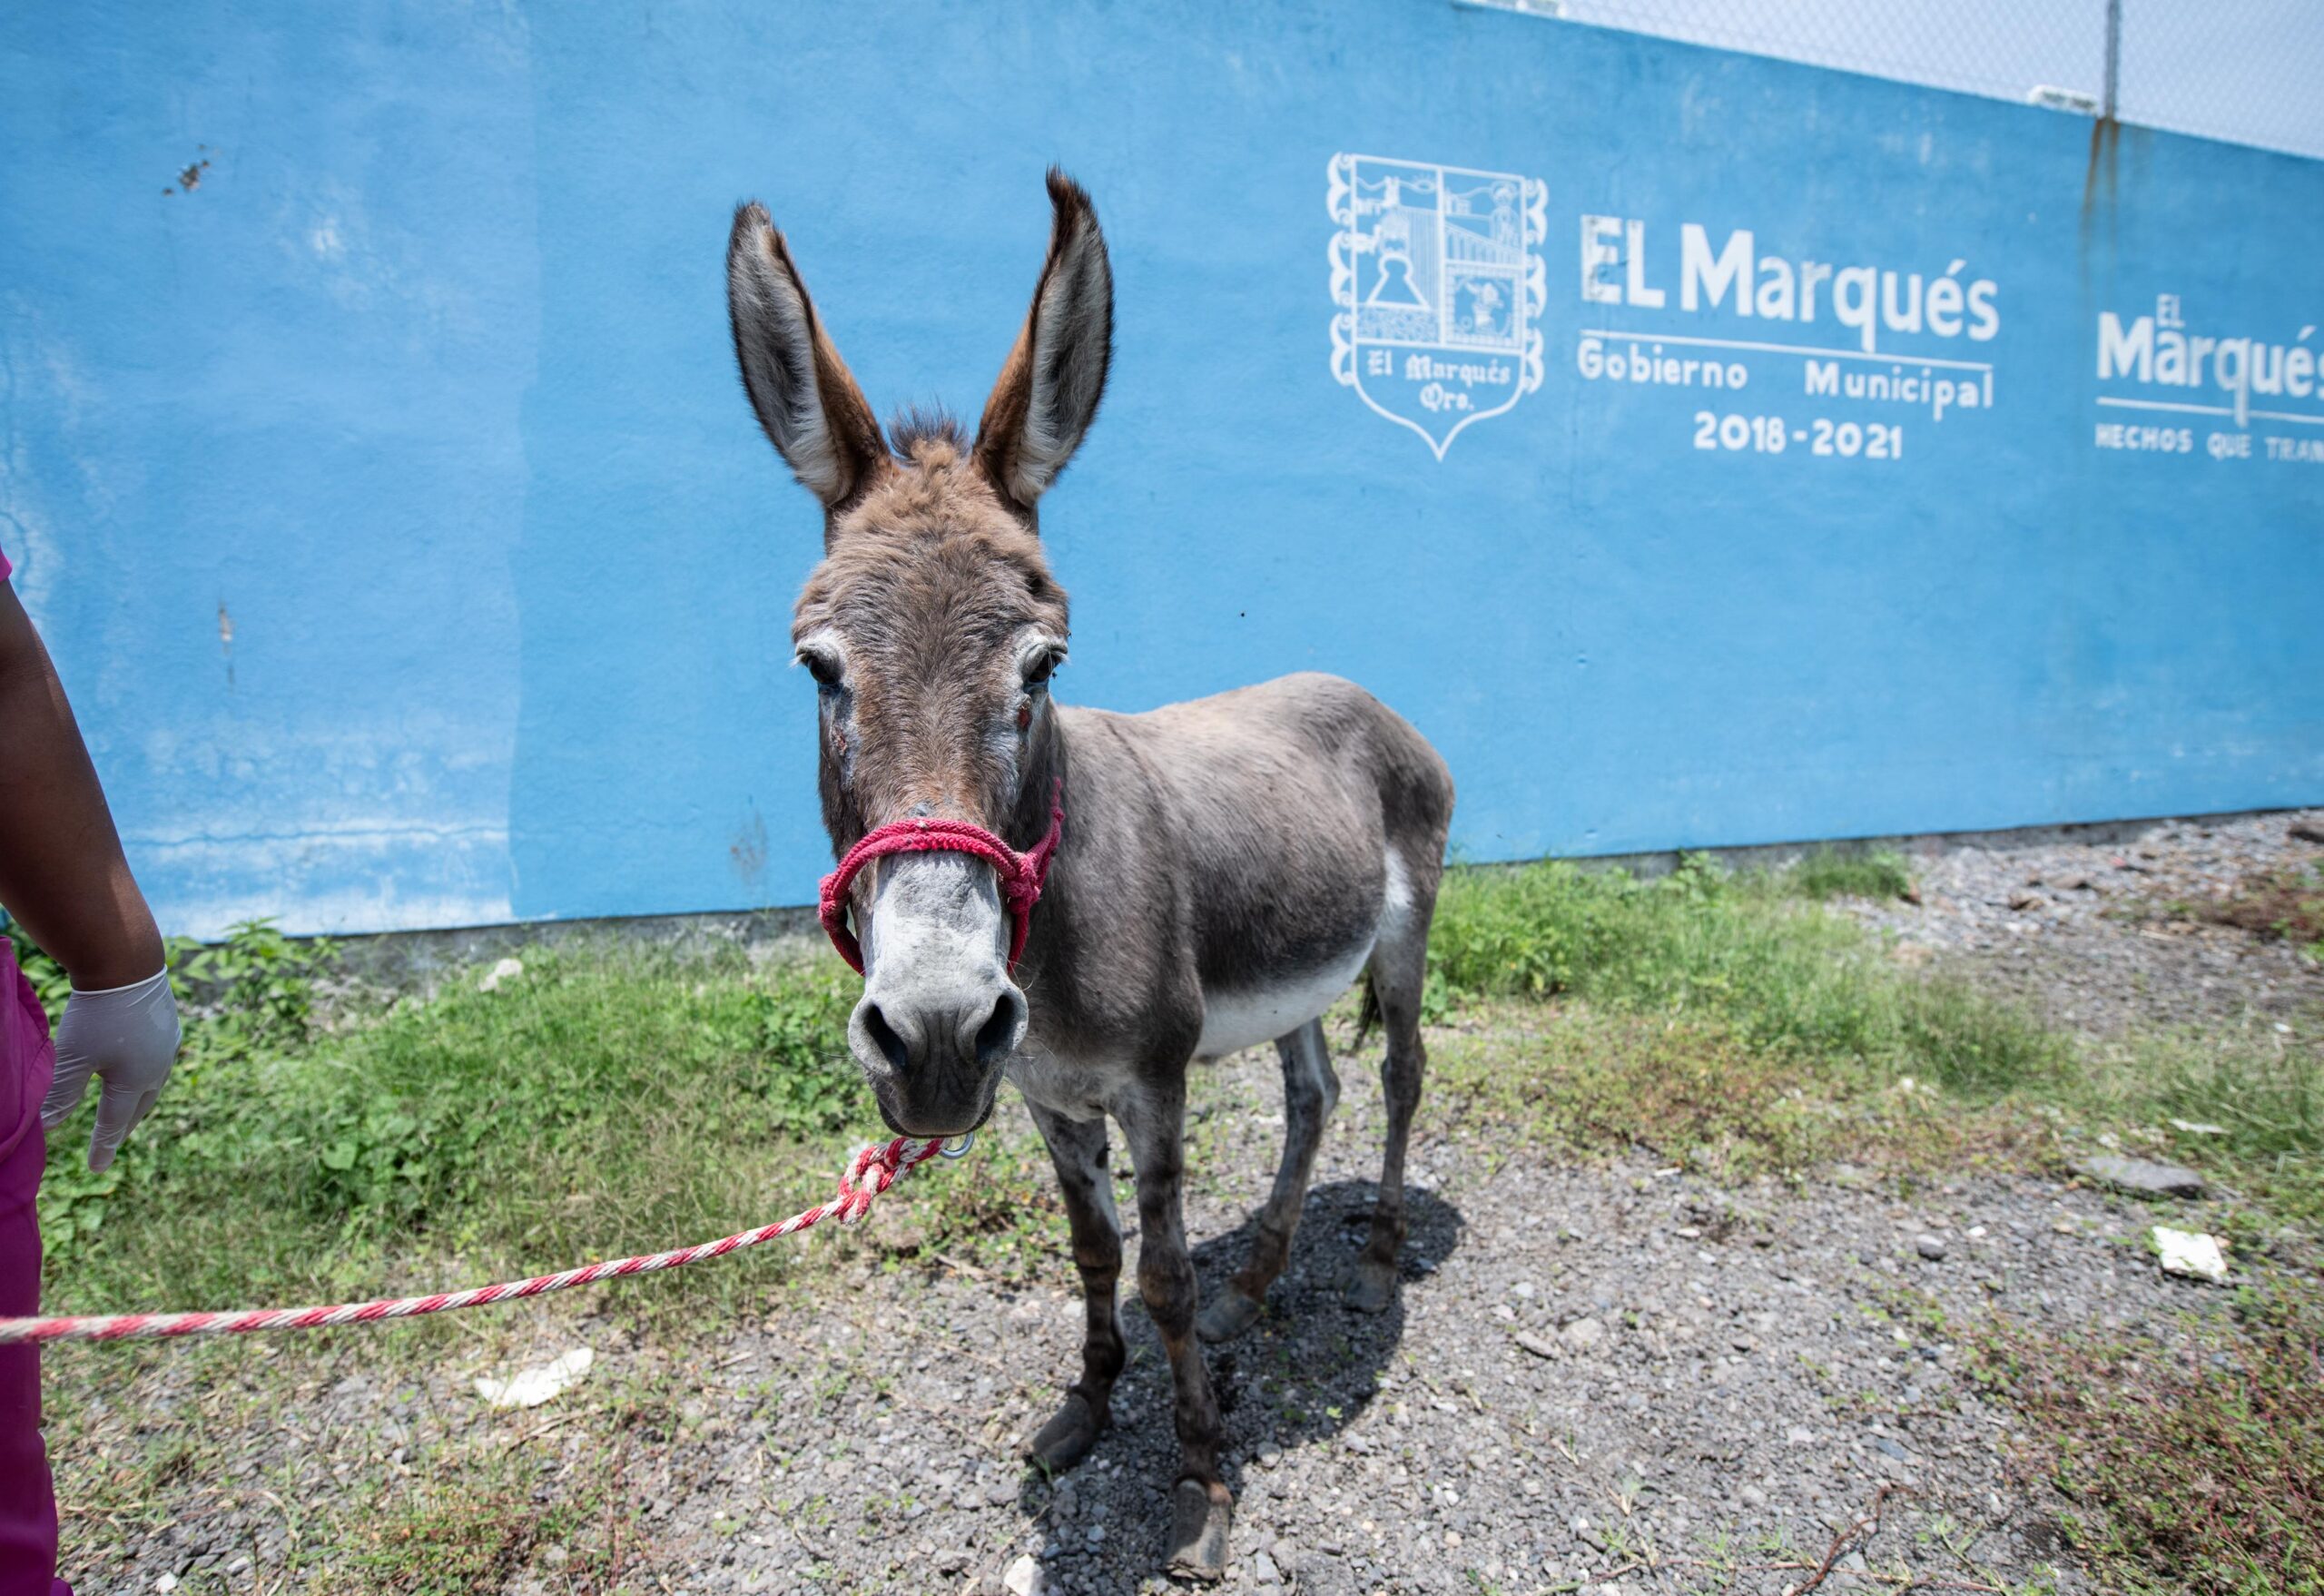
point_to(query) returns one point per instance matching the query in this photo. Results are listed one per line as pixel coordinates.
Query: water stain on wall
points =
(748, 851)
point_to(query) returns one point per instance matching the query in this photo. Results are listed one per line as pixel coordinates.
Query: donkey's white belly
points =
(1246, 1017)
(1234, 1019)
(1089, 1089)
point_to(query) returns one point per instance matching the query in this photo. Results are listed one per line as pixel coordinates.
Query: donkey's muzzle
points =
(935, 1067)
(940, 1014)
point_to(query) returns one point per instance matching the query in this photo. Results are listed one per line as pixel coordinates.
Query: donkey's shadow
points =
(1302, 1374)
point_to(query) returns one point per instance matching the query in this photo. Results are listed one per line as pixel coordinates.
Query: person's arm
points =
(63, 874)
(61, 871)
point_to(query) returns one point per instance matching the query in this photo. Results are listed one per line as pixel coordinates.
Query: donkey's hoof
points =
(1066, 1439)
(1373, 1289)
(1226, 1316)
(1200, 1519)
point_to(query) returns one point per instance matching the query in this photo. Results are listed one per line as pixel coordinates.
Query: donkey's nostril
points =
(884, 1038)
(997, 1037)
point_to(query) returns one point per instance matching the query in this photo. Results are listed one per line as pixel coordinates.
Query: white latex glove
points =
(129, 1036)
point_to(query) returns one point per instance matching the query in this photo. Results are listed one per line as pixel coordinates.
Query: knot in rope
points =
(881, 1163)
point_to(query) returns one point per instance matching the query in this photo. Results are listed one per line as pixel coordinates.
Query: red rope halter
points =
(1020, 875)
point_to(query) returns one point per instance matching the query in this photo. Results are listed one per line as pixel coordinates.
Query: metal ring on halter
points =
(958, 1147)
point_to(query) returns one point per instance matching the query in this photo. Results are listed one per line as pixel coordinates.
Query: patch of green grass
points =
(256, 990)
(1978, 1046)
(2263, 1089)
(606, 1101)
(2194, 1464)
(1706, 1007)
(251, 993)
(463, 1527)
(1739, 952)
(1591, 1078)
(467, 1520)
(1832, 872)
(609, 1101)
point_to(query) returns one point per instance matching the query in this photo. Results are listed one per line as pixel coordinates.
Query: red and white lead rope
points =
(873, 1169)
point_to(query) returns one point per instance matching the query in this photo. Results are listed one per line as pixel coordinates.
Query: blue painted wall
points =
(391, 506)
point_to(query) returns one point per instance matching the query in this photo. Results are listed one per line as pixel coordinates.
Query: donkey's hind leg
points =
(1311, 1088)
(1398, 966)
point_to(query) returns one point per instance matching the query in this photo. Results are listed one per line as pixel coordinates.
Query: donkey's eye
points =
(822, 667)
(1038, 673)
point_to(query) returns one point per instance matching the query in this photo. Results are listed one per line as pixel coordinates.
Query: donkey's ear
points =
(801, 389)
(1049, 391)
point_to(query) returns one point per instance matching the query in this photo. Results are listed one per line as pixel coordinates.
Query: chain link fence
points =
(2242, 70)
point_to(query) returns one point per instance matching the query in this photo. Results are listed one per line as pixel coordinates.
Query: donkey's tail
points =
(1367, 1014)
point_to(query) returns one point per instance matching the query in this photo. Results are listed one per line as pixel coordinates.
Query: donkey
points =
(1221, 869)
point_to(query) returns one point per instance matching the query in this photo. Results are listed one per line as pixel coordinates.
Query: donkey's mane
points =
(912, 429)
(931, 538)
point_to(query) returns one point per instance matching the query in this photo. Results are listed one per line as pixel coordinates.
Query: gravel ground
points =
(2083, 931)
(1619, 1379)
(1584, 1367)
(1585, 1364)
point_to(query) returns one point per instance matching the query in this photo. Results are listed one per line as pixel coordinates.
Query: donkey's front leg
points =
(1201, 1507)
(1077, 1148)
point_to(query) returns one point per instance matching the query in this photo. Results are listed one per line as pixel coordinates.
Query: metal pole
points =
(2113, 56)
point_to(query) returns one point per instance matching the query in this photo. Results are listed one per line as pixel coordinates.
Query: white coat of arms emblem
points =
(1437, 290)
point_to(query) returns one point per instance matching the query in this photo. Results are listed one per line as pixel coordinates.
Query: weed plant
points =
(2195, 1463)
